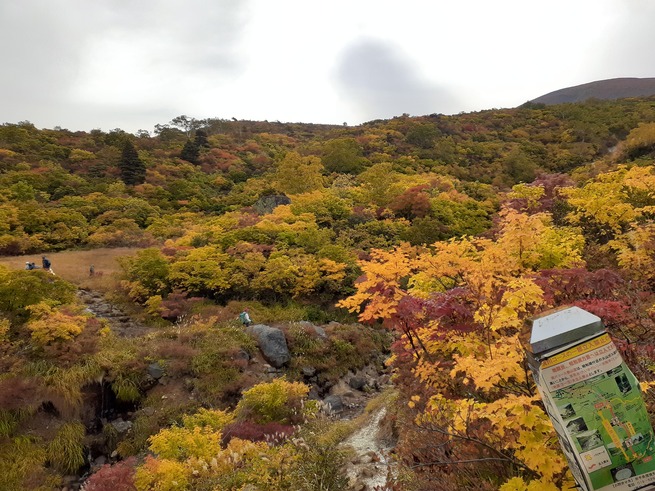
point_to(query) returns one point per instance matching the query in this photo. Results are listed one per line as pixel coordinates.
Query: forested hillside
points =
(424, 240)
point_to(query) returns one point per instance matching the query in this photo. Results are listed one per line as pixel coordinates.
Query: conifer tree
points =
(133, 170)
(190, 152)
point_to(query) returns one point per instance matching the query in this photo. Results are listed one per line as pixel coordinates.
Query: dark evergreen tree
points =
(190, 152)
(201, 139)
(133, 170)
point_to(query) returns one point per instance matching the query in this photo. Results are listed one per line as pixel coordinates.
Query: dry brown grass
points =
(74, 266)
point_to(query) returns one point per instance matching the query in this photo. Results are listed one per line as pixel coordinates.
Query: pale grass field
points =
(74, 266)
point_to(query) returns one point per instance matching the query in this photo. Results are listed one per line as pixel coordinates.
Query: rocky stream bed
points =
(367, 469)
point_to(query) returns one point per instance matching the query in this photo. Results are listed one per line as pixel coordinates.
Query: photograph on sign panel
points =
(623, 384)
(623, 472)
(567, 411)
(589, 439)
(576, 426)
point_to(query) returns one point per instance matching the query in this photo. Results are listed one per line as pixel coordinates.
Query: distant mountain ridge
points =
(614, 88)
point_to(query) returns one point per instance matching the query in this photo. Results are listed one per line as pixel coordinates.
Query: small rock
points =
(357, 383)
(100, 461)
(317, 329)
(242, 355)
(121, 426)
(365, 459)
(308, 371)
(333, 404)
(148, 411)
(148, 382)
(155, 371)
(114, 454)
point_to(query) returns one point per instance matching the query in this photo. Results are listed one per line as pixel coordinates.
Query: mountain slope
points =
(615, 88)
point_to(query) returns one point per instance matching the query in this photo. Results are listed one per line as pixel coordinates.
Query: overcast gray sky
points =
(84, 64)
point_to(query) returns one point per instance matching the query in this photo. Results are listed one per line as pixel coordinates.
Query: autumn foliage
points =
(459, 308)
(450, 231)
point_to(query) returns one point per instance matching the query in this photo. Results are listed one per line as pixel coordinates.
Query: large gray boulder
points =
(266, 204)
(272, 344)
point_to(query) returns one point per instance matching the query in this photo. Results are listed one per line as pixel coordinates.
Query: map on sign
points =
(598, 412)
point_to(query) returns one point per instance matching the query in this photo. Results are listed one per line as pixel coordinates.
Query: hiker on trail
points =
(47, 265)
(30, 266)
(244, 317)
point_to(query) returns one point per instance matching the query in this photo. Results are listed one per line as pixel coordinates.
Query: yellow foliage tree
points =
(50, 325)
(614, 199)
(635, 250)
(296, 174)
(491, 280)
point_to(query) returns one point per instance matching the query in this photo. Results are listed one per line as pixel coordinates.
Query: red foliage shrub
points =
(176, 355)
(117, 477)
(269, 432)
(413, 203)
(17, 393)
(564, 286)
(176, 305)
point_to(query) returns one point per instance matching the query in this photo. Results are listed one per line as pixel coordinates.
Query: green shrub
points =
(66, 451)
(8, 422)
(22, 459)
(156, 413)
(321, 461)
(210, 418)
(20, 289)
(277, 401)
(126, 389)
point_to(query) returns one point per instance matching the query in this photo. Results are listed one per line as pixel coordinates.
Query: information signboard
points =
(598, 411)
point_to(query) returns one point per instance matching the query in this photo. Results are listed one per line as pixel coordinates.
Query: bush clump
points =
(277, 401)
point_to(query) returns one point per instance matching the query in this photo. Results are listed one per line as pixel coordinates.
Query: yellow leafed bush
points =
(277, 401)
(51, 325)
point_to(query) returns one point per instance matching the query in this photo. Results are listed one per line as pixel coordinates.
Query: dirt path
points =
(119, 322)
(372, 465)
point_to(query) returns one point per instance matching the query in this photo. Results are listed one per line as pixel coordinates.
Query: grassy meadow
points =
(74, 266)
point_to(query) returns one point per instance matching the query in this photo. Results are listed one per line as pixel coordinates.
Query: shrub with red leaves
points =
(117, 477)
(247, 430)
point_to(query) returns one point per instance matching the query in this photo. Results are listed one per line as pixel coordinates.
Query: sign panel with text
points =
(598, 411)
